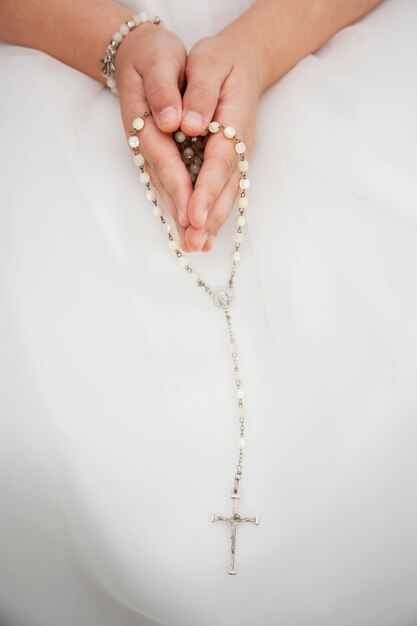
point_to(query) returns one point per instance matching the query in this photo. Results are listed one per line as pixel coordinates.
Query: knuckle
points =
(164, 167)
(158, 164)
(229, 164)
(216, 221)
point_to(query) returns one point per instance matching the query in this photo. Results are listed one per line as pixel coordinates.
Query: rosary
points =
(191, 149)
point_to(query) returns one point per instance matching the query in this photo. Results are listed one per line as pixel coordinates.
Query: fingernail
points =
(168, 115)
(192, 118)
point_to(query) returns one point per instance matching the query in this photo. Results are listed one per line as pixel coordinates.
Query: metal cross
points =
(234, 520)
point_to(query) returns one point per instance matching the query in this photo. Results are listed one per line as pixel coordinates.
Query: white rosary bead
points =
(233, 347)
(144, 16)
(229, 132)
(194, 276)
(242, 442)
(134, 141)
(136, 19)
(243, 165)
(144, 177)
(138, 123)
(240, 394)
(158, 211)
(240, 147)
(139, 159)
(242, 202)
(166, 226)
(182, 260)
(236, 255)
(124, 30)
(244, 183)
(173, 244)
(150, 194)
(241, 220)
(238, 237)
(111, 83)
(241, 411)
(117, 36)
(214, 127)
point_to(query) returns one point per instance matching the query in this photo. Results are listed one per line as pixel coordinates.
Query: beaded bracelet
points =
(108, 68)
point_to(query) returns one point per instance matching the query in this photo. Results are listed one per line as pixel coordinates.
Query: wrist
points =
(86, 34)
(251, 49)
(75, 32)
(126, 30)
(99, 32)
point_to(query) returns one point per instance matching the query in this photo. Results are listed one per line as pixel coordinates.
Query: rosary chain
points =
(221, 298)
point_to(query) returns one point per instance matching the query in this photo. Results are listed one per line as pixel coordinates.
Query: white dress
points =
(117, 416)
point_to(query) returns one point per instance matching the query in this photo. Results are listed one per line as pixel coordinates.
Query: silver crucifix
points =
(234, 521)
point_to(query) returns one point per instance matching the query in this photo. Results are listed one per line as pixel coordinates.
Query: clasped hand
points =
(218, 80)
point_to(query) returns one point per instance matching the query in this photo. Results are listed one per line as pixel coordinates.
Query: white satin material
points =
(118, 427)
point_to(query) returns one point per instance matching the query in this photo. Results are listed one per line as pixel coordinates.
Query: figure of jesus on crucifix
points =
(234, 520)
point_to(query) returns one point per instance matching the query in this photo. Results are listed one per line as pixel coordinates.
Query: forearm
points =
(73, 31)
(279, 33)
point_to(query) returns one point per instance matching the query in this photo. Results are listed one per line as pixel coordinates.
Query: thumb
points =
(203, 88)
(163, 94)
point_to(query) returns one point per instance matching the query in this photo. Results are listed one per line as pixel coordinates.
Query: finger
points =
(208, 246)
(220, 160)
(168, 204)
(220, 154)
(219, 214)
(158, 148)
(223, 207)
(203, 87)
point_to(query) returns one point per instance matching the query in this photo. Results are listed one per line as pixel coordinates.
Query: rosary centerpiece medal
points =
(192, 153)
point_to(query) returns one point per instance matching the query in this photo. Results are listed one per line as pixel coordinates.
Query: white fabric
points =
(118, 425)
